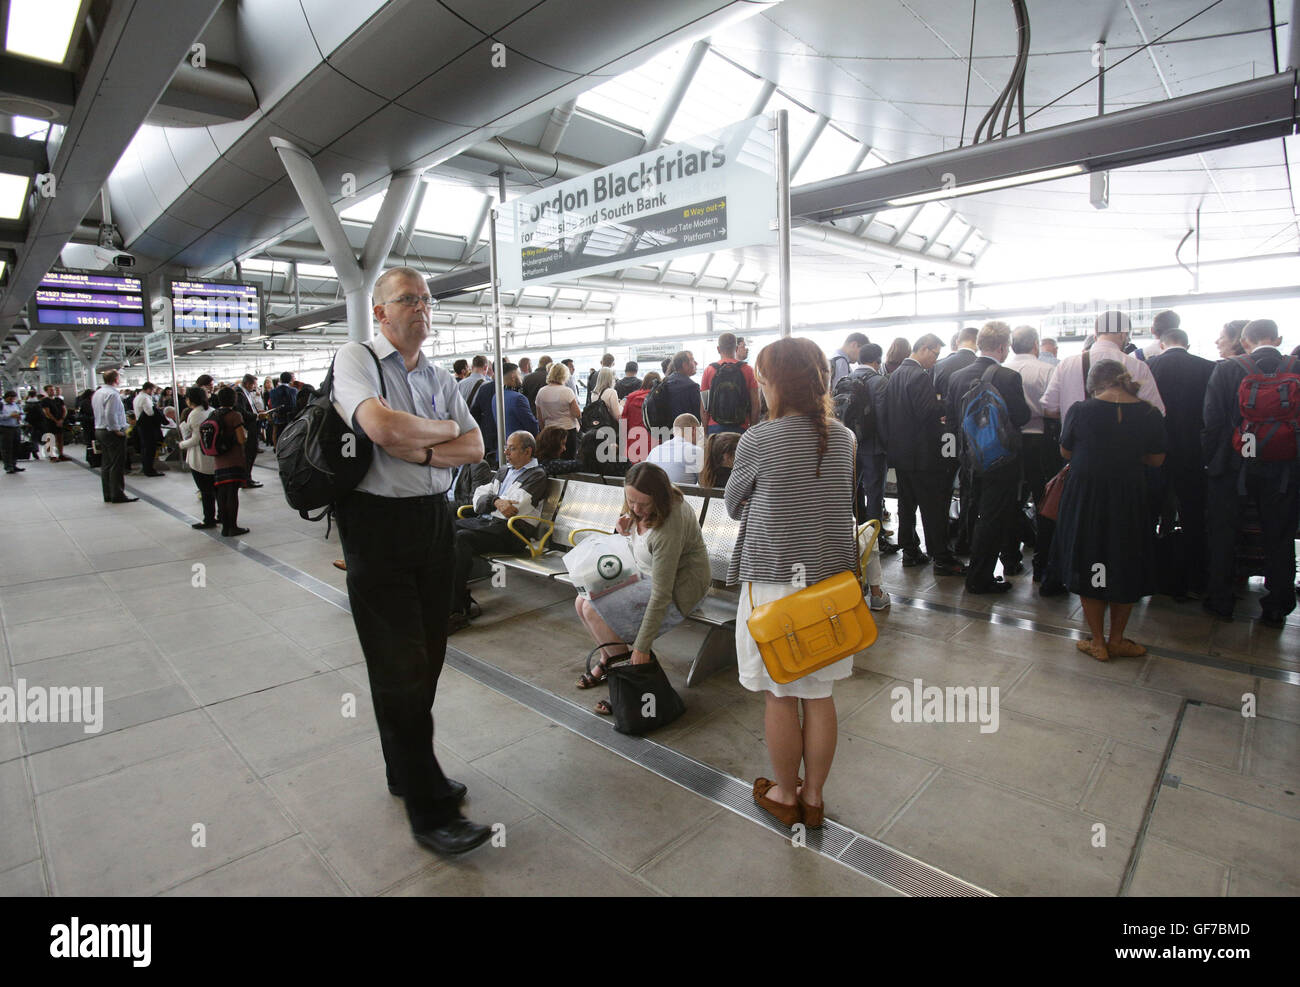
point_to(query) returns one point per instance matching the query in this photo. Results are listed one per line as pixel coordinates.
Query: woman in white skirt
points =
(792, 490)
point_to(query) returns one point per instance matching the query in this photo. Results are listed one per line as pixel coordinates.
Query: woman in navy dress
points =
(1104, 544)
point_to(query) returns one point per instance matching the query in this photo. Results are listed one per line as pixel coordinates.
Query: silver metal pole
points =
(783, 215)
(500, 393)
(176, 387)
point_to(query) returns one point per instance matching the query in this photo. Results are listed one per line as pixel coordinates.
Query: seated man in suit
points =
(518, 488)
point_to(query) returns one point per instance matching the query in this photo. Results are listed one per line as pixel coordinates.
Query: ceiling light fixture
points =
(988, 186)
(13, 195)
(41, 28)
(314, 325)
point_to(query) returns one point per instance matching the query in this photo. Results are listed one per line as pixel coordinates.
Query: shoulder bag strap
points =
(1087, 362)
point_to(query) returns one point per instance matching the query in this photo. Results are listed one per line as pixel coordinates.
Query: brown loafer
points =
(812, 814)
(787, 815)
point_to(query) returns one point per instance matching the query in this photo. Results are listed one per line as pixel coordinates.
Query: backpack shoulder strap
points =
(473, 391)
(1247, 363)
(1087, 363)
(379, 369)
(987, 376)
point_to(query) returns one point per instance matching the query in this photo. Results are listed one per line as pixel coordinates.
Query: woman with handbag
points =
(674, 569)
(792, 489)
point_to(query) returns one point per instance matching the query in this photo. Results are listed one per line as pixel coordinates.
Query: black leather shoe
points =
(155, 473)
(204, 525)
(252, 485)
(1048, 588)
(457, 789)
(998, 587)
(458, 836)
(911, 559)
(950, 567)
(475, 611)
(1224, 615)
(886, 547)
(1270, 618)
(233, 532)
(457, 622)
(124, 500)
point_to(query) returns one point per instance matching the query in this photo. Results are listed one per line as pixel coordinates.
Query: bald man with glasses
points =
(396, 529)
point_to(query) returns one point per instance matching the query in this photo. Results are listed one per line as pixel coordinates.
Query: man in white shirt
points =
(681, 456)
(110, 433)
(1068, 385)
(149, 427)
(1039, 457)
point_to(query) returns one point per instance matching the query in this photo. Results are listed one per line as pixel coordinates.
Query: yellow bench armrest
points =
(577, 531)
(874, 527)
(537, 549)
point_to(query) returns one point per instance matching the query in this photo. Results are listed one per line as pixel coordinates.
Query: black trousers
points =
(251, 449)
(994, 515)
(148, 449)
(208, 494)
(228, 505)
(9, 447)
(931, 492)
(111, 470)
(399, 588)
(872, 468)
(1179, 493)
(476, 536)
(1275, 489)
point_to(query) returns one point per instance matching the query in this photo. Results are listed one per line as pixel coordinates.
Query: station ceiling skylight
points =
(633, 97)
(449, 207)
(719, 94)
(832, 155)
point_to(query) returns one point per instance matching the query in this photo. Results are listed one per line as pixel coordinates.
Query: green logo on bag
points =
(609, 566)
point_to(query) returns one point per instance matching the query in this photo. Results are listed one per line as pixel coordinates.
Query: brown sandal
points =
(786, 815)
(1126, 649)
(1095, 648)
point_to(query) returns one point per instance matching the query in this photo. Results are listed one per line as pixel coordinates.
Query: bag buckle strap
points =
(791, 638)
(833, 616)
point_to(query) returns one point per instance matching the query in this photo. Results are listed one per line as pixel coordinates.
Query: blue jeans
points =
(872, 469)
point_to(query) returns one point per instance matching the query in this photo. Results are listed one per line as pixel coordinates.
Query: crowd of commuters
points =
(1103, 462)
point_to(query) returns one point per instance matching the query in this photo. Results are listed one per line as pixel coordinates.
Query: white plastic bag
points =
(601, 564)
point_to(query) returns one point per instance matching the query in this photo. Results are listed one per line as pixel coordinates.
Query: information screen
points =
(65, 299)
(215, 306)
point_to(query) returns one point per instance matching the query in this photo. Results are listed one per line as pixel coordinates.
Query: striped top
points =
(788, 515)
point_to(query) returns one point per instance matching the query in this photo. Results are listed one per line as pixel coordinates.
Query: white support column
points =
(673, 100)
(356, 279)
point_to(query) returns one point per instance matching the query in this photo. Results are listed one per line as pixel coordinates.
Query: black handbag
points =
(641, 697)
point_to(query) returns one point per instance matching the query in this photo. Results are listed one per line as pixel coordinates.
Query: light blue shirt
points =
(467, 385)
(7, 415)
(512, 473)
(110, 413)
(428, 391)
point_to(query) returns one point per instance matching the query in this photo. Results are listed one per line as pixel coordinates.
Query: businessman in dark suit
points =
(961, 357)
(994, 493)
(1178, 487)
(1273, 486)
(915, 437)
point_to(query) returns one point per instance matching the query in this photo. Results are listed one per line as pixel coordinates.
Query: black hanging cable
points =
(1272, 23)
(991, 116)
(970, 60)
(1022, 59)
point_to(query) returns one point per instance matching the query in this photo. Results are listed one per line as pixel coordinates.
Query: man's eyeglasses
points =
(410, 301)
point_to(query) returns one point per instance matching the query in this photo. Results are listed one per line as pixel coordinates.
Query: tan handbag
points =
(813, 628)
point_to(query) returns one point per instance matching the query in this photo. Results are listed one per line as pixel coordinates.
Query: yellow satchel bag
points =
(813, 628)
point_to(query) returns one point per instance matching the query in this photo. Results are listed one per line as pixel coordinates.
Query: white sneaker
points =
(880, 602)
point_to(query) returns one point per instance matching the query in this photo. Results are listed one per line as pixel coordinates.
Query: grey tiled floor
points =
(239, 754)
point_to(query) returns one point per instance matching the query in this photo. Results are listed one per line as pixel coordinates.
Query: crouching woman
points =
(674, 566)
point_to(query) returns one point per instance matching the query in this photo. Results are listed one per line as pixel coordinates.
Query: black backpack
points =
(657, 409)
(320, 457)
(596, 416)
(854, 407)
(728, 394)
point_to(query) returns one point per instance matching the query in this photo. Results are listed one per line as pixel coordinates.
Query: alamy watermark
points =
(920, 703)
(21, 703)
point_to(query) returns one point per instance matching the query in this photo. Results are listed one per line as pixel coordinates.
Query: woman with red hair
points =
(792, 489)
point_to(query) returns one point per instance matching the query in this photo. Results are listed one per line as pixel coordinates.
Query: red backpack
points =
(215, 436)
(1270, 411)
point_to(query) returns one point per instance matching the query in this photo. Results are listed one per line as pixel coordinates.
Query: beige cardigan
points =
(195, 459)
(679, 572)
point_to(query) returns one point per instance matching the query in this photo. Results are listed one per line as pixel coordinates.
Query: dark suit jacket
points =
(1221, 412)
(1183, 380)
(533, 383)
(913, 419)
(949, 365)
(1007, 382)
